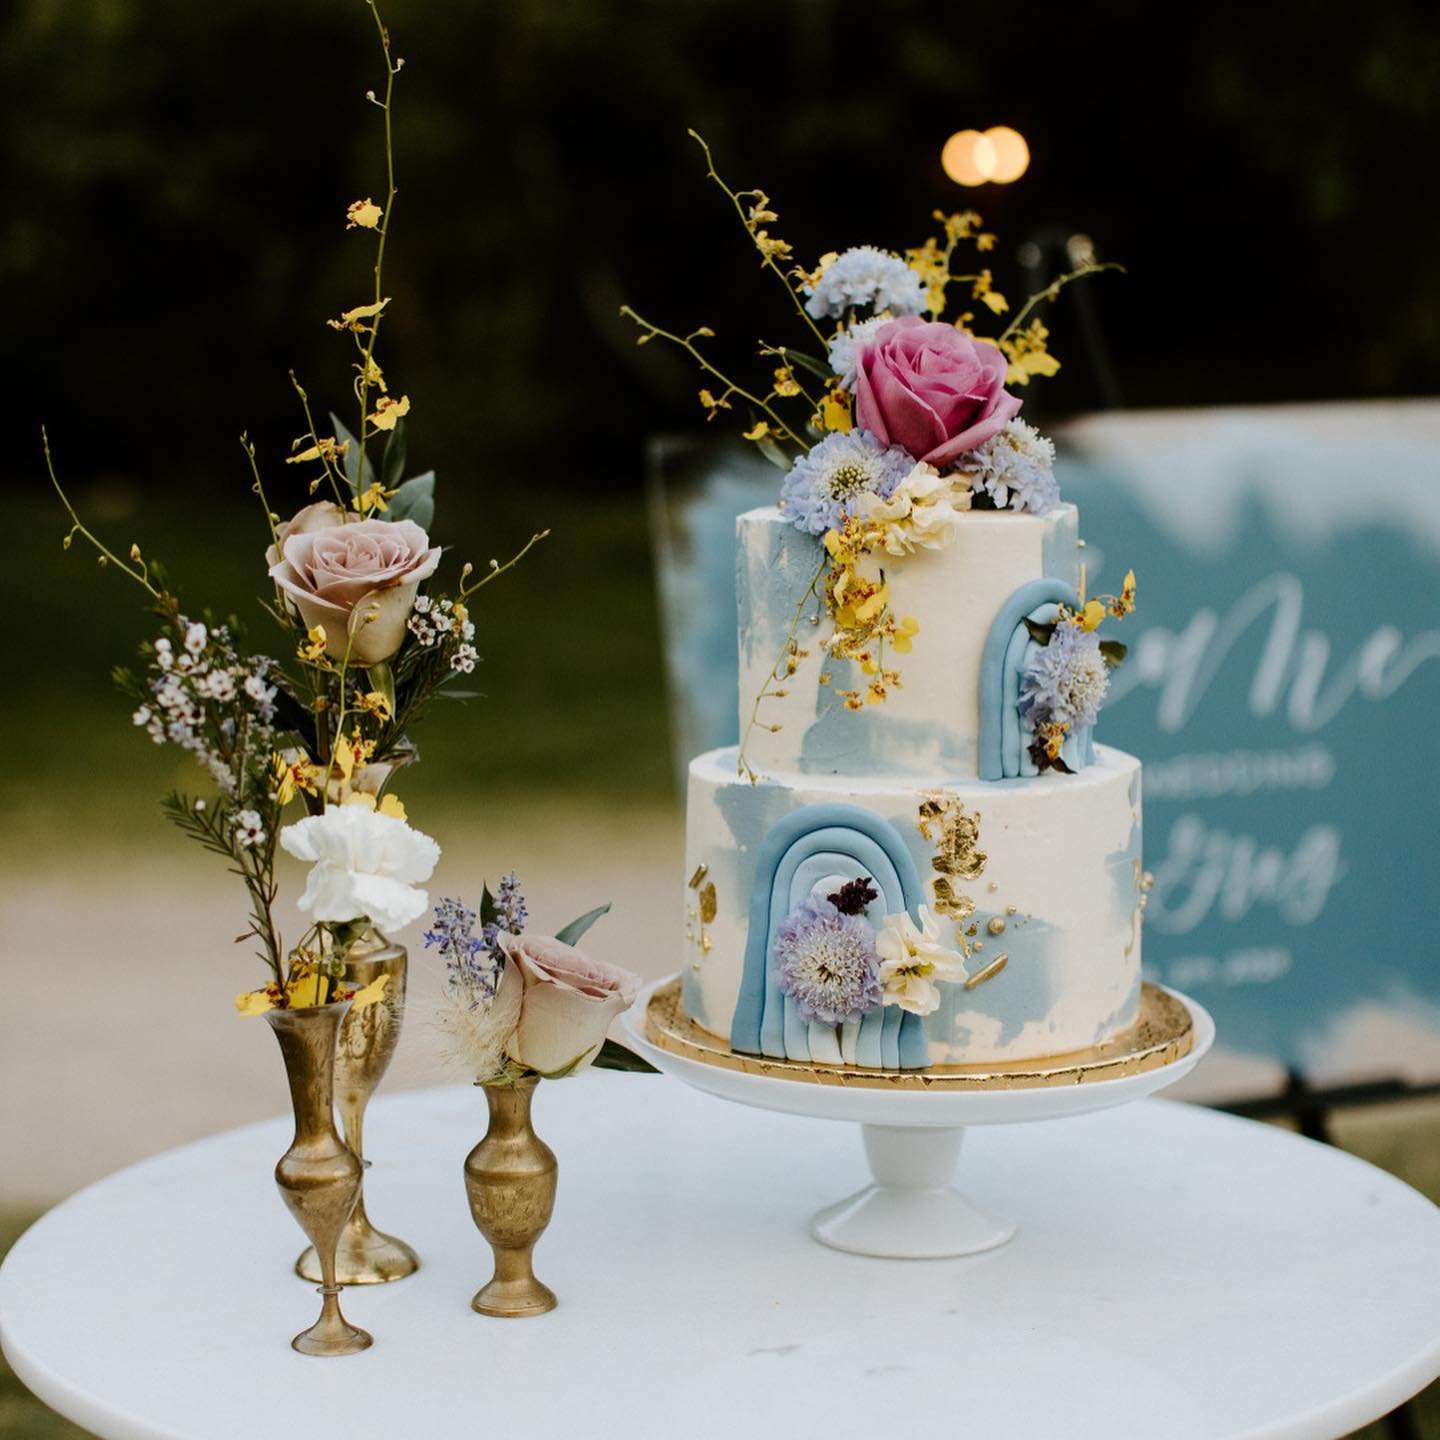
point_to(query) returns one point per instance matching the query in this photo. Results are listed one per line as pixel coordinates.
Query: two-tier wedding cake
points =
(917, 855)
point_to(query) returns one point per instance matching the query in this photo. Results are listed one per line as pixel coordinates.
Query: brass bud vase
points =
(510, 1178)
(365, 1255)
(319, 1175)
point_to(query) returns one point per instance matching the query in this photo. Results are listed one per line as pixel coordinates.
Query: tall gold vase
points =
(365, 1255)
(510, 1178)
(319, 1175)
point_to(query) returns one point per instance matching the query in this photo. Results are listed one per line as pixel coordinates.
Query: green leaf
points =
(576, 928)
(1040, 634)
(567, 1069)
(614, 1056)
(350, 461)
(446, 693)
(1113, 652)
(773, 453)
(415, 500)
(382, 678)
(392, 463)
(808, 362)
(489, 911)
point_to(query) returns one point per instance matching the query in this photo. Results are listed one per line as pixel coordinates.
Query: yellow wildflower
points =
(714, 404)
(983, 292)
(371, 373)
(785, 382)
(326, 448)
(770, 248)
(293, 776)
(758, 431)
(312, 648)
(875, 695)
(374, 703)
(1028, 355)
(835, 412)
(461, 612)
(1092, 615)
(354, 319)
(1122, 604)
(760, 211)
(371, 498)
(388, 410)
(904, 633)
(364, 213)
(369, 994)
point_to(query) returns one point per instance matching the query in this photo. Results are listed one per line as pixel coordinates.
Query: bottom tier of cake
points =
(1038, 881)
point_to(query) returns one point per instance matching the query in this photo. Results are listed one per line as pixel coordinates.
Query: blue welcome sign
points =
(1282, 689)
(1283, 673)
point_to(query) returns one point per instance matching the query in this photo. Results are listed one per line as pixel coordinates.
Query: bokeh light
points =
(997, 156)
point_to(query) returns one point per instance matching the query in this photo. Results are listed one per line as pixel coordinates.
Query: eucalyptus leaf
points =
(446, 693)
(382, 678)
(576, 928)
(773, 453)
(808, 362)
(392, 463)
(1113, 652)
(614, 1056)
(350, 460)
(1040, 634)
(415, 500)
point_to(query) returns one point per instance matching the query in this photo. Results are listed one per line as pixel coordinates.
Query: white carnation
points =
(864, 276)
(366, 864)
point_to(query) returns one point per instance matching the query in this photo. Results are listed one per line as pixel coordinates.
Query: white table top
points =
(1178, 1273)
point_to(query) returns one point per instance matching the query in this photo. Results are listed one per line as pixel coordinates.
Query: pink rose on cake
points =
(566, 1001)
(932, 390)
(358, 581)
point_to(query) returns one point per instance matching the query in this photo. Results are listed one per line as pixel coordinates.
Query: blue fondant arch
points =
(798, 850)
(995, 703)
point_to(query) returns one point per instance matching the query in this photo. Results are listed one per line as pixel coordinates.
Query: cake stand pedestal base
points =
(912, 1211)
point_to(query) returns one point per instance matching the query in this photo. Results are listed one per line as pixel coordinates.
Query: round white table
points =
(1177, 1273)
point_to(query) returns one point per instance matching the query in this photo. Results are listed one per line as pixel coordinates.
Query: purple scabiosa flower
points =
(827, 964)
(822, 486)
(1066, 681)
(471, 967)
(1016, 469)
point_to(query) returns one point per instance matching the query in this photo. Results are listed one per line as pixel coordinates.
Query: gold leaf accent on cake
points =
(989, 972)
(956, 836)
(996, 925)
(709, 903)
(706, 943)
(701, 871)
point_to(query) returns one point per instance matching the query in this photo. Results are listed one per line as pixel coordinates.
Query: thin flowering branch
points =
(767, 259)
(496, 569)
(140, 575)
(334, 475)
(248, 446)
(1052, 290)
(784, 661)
(393, 67)
(687, 343)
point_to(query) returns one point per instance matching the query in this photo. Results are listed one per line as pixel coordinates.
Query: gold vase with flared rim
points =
(319, 1175)
(510, 1178)
(365, 1255)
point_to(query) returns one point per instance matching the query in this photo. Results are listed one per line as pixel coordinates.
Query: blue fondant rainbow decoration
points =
(1004, 747)
(799, 850)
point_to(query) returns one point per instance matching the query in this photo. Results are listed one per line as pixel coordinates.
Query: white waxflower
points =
(195, 637)
(923, 510)
(912, 960)
(366, 863)
(249, 829)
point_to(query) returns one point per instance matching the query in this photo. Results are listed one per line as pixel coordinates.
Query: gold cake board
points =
(1163, 1034)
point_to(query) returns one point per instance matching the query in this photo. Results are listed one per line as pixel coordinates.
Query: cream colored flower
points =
(923, 510)
(912, 960)
(364, 213)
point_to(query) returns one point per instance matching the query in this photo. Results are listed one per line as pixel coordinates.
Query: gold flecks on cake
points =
(709, 903)
(989, 972)
(1011, 909)
(701, 871)
(958, 858)
(996, 925)
(706, 943)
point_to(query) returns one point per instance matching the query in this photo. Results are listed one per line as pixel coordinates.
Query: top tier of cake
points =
(930, 723)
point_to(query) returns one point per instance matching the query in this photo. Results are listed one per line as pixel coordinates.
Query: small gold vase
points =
(365, 1255)
(319, 1175)
(510, 1178)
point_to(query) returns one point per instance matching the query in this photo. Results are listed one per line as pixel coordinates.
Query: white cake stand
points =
(914, 1128)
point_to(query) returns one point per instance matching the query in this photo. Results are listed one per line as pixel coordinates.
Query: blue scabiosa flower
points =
(866, 276)
(845, 344)
(1065, 683)
(1016, 469)
(822, 486)
(827, 964)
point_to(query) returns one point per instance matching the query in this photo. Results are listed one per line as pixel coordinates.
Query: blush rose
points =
(357, 580)
(566, 1001)
(931, 390)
